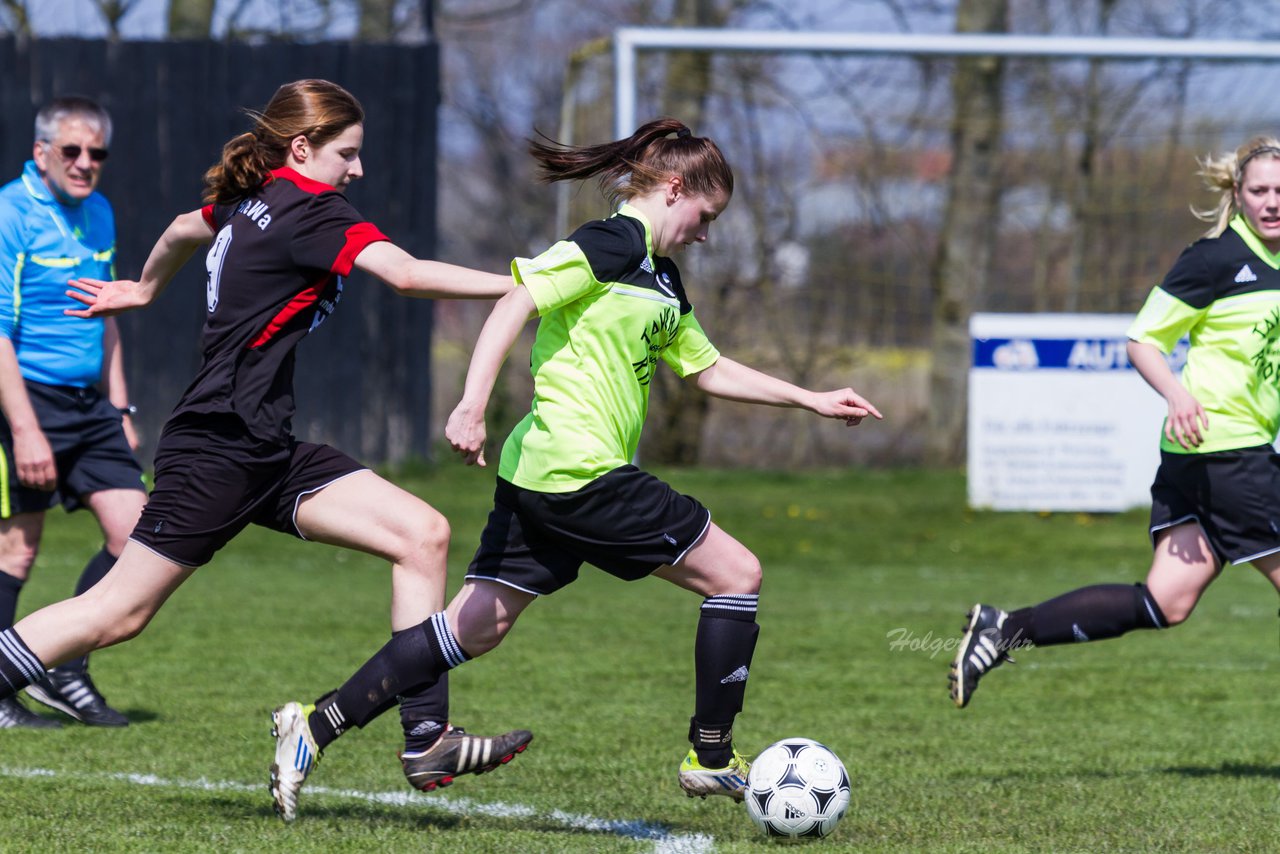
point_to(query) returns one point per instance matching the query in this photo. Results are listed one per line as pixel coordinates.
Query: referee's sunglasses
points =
(71, 153)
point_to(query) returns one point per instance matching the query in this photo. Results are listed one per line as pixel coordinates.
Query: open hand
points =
(103, 299)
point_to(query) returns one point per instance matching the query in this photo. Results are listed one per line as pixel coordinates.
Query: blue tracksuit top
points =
(43, 244)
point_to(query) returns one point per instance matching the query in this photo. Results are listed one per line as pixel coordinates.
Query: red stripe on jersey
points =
(302, 182)
(359, 236)
(207, 213)
(300, 303)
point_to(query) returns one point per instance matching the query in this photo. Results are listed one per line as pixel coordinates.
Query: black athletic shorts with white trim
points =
(1234, 495)
(626, 522)
(89, 449)
(213, 480)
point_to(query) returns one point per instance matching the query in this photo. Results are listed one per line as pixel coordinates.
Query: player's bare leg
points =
(69, 687)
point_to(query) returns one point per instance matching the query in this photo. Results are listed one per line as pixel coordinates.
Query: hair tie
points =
(1260, 150)
(683, 132)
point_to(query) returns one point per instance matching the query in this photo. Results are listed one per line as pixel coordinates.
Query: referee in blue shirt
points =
(66, 436)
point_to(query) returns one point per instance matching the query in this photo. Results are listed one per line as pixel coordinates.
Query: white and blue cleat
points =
(296, 755)
(730, 781)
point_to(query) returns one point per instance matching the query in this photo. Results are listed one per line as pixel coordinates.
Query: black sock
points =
(412, 659)
(94, 571)
(424, 713)
(1088, 614)
(19, 666)
(722, 651)
(10, 587)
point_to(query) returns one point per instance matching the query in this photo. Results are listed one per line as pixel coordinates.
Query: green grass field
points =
(1155, 742)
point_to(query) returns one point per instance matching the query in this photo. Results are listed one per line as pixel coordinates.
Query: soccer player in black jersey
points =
(612, 307)
(1216, 496)
(282, 236)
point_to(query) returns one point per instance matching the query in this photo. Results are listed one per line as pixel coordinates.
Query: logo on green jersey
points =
(656, 337)
(1266, 362)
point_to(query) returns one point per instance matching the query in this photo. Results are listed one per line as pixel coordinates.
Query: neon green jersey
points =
(1224, 293)
(608, 310)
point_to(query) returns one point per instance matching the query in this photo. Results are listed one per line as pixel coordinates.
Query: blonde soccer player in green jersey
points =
(1216, 496)
(611, 307)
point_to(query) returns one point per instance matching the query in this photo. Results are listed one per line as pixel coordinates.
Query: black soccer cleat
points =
(982, 649)
(455, 753)
(14, 715)
(73, 693)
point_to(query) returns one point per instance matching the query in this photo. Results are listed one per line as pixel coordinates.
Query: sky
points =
(146, 19)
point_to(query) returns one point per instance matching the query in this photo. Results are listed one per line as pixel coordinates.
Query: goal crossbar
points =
(628, 42)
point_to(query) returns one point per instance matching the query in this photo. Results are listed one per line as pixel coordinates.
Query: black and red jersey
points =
(275, 272)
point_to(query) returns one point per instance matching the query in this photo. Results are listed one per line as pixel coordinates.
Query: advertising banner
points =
(1058, 418)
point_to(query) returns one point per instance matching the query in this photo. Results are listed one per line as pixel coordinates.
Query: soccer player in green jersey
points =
(1214, 499)
(612, 306)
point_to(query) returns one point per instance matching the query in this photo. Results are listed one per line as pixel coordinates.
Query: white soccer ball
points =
(797, 789)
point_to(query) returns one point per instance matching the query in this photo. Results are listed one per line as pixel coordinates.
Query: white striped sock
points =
(23, 665)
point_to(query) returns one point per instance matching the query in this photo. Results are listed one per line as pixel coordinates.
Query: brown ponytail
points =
(634, 166)
(316, 109)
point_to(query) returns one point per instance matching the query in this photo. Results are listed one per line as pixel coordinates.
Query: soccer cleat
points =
(456, 753)
(982, 649)
(296, 755)
(73, 693)
(14, 715)
(698, 782)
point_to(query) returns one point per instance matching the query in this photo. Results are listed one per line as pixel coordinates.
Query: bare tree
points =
(377, 20)
(112, 11)
(293, 20)
(679, 410)
(968, 227)
(17, 17)
(191, 19)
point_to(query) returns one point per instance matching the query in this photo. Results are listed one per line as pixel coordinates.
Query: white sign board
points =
(1058, 418)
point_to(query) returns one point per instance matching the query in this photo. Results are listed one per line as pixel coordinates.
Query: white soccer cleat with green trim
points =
(296, 755)
(730, 781)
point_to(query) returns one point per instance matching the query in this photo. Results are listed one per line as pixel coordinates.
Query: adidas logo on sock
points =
(426, 728)
(739, 675)
(1246, 275)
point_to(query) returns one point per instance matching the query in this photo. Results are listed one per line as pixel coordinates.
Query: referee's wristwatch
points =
(128, 410)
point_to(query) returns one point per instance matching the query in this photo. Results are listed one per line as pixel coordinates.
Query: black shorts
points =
(213, 480)
(626, 522)
(1234, 495)
(89, 450)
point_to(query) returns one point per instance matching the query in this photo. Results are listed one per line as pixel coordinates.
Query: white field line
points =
(664, 841)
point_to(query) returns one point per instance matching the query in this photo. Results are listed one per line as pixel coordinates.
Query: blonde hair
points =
(1224, 175)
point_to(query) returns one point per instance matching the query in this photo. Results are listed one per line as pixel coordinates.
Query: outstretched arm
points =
(413, 277)
(735, 381)
(465, 428)
(187, 233)
(1187, 417)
